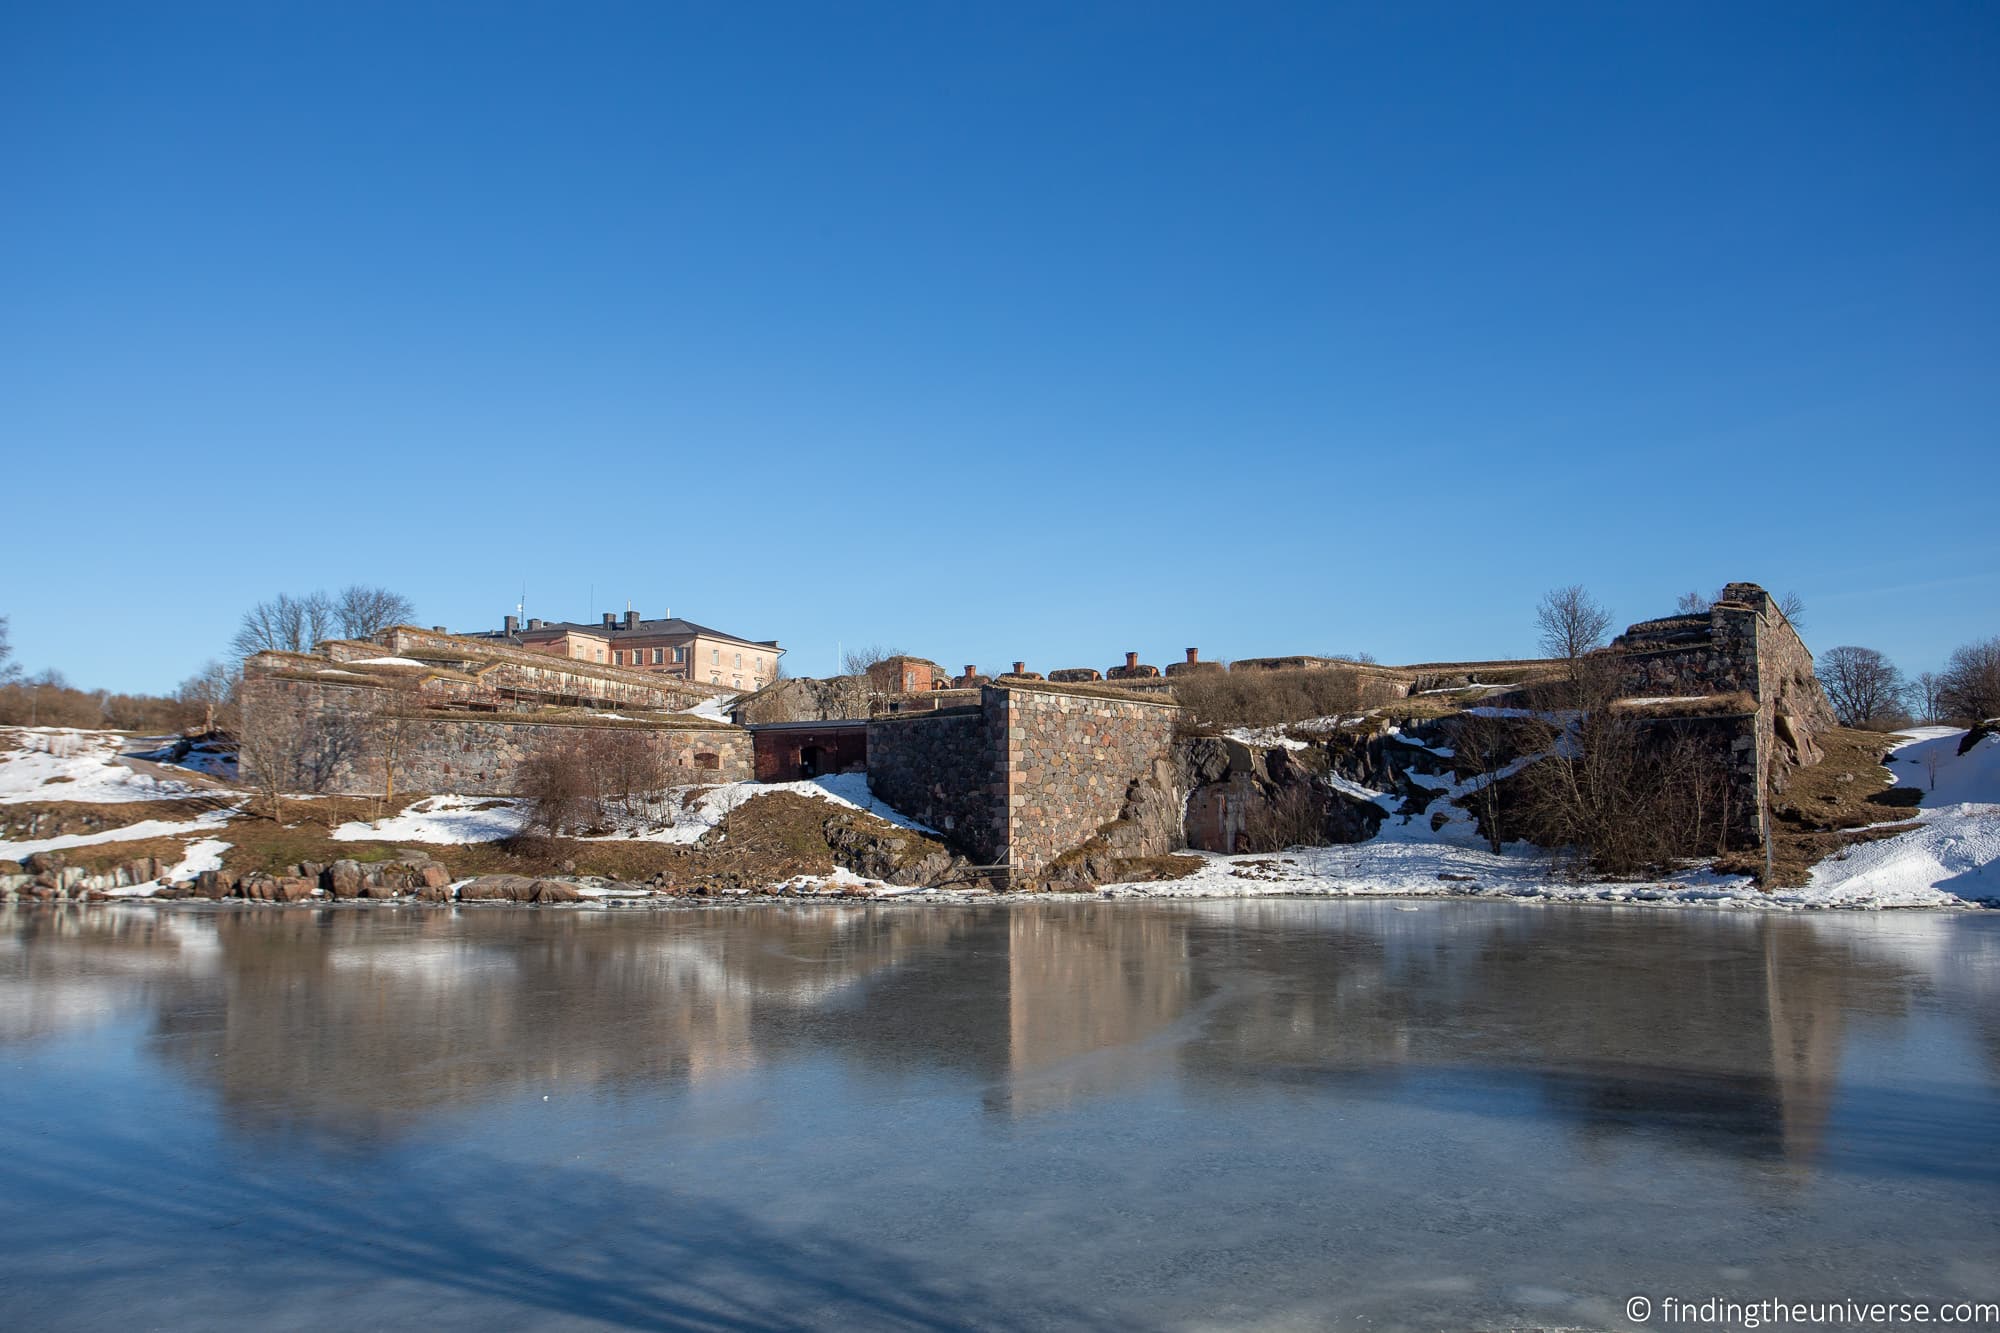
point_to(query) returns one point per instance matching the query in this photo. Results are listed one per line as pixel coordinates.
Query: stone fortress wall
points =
(453, 716)
(1034, 771)
(1743, 644)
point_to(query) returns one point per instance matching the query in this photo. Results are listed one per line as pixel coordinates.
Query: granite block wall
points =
(943, 768)
(346, 733)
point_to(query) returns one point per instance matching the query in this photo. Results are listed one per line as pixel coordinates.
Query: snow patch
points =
(69, 764)
(145, 828)
(442, 819)
(1950, 855)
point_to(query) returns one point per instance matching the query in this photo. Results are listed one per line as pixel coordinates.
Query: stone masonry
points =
(1033, 772)
(350, 730)
(1742, 644)
(1069, 760)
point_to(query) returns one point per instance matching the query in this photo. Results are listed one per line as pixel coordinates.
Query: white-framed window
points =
(659, 656)
(680, 653)
(739, 661)
(715, 657)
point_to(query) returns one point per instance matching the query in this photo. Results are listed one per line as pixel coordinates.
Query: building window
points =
(739, 661)
(715, 657)
(617, 659)
(681, 653)
(659, 656)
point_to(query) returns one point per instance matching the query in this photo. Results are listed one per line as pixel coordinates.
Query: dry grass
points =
(771, 838)
(1818, 814)
(1267, 698)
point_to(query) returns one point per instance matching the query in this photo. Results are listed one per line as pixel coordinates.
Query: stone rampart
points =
(341, 737)
(1069, 761)
(943, 768)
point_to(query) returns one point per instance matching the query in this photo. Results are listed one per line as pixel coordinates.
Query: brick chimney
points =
(1131, 660)
(1020, 668)
(1194, 655)
(512, 625)
(611, 620)
(971, 670)
(534, 622)
(631, 620)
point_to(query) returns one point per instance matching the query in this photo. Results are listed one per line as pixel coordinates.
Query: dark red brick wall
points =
(780, 755)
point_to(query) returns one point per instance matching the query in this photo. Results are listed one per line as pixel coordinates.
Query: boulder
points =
(433, 876)
(435, 893)
(291, 889)
(344, 879)
(42, 863)
(503, 888)
(213, 884)
(879, 850)
(555, 891)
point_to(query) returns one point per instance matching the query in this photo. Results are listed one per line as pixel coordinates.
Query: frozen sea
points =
(1187, 1115)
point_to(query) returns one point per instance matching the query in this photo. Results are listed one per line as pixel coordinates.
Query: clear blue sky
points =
(997, 331)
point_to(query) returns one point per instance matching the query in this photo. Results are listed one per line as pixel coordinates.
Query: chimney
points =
(1131, 660)
(631, 620)
(512, 624)
(1020, 668)
(1194, 655)
(611, 620)
(534, 622)
(971, 670)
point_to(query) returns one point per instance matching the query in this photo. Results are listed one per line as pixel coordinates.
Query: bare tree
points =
(1793, 608)
(1624, 795)
(1864, 687)
(1970, 687)
(856, 661)
(364, 612)
(10, 670)
(1925, 696)
(213, 690)
(282, 747)
(286, 624)
(1571, 623)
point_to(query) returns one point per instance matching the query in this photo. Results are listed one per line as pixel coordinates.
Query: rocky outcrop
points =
(1252, 798)
(878, 850)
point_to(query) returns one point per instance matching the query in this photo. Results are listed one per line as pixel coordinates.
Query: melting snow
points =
(65, 764)
(145, 828)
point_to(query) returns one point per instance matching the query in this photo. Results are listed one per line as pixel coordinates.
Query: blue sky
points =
(998, 332)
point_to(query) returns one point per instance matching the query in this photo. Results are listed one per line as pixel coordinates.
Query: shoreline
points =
(1592, 894)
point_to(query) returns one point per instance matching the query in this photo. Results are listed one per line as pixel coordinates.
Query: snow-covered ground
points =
(678, 815)
(1953, 851)
(65, 764)
(441, 819)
